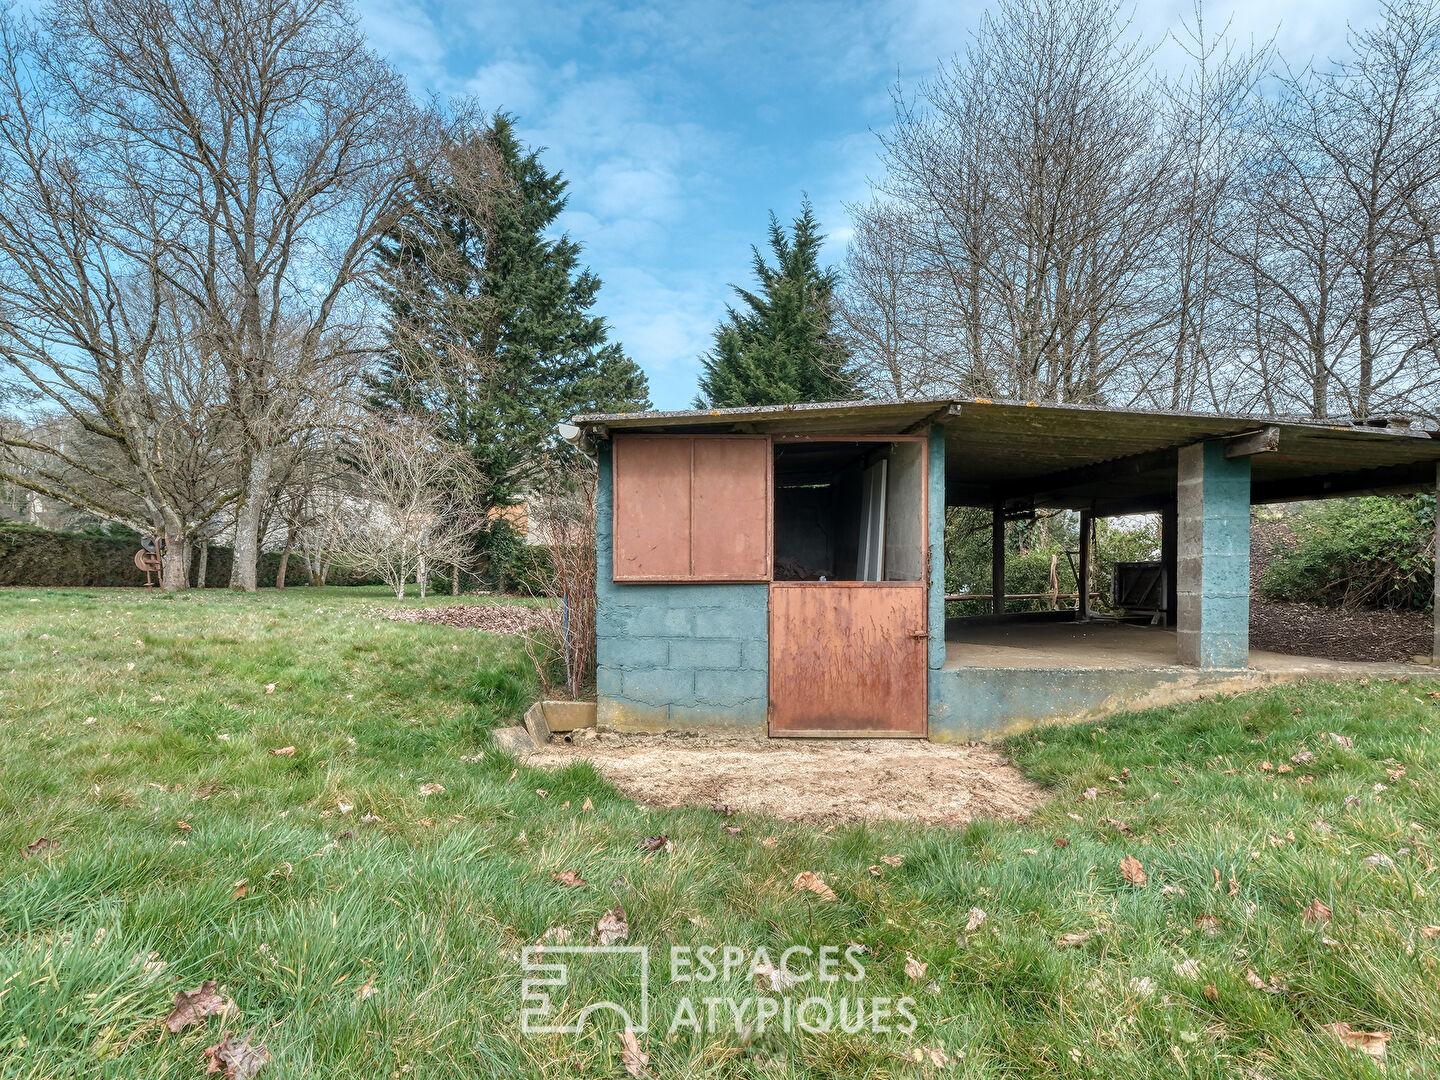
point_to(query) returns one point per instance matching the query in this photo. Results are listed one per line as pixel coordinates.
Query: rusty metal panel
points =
(652, 507)
(848, 658)
(730, 517)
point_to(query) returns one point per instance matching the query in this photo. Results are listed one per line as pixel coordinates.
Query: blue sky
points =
(681, 124)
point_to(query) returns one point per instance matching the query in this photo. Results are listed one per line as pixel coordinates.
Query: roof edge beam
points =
(1264, 441)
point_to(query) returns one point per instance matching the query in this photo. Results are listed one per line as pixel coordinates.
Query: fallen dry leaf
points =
(183, 825)
(587, 805)
(876, 870)
(1367, 1042)
(1187, 969)
(1343, 740)
(432, 789)
(40, 845)
(914, 969)
(631, 1056)
(569, 878)
(1090, 794)
(892, 860)
(193, 1006)
(1315, 911)
(769, 842)
(284, 751)
(1234, 887)
(1069, 941)
(236, 1059)
(808, 881)
(1430, 931)
(368, 989)
(1209, 924)
(780, 980)
(932, 1054)
(1061, 842)
(270, 688)
(612, 927)
(652, 843)
(1133, 871)
(975, 921)
(1271, 987)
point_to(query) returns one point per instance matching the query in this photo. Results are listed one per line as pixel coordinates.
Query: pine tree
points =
(780, 347)
(490, 323)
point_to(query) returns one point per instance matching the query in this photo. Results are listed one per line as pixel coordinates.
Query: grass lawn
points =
(135, 733)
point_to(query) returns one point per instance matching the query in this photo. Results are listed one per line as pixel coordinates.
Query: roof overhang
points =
(1112, 461)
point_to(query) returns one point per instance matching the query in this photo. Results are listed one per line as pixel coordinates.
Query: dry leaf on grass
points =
(569, 878)
(1187, 969)
(1368, 1042)
(284, 751)
(193, 1006)
(1070, 941)
(975, 921)
(1090, 794)
(1274, 986)
(1133, 871)
(432, 789)
(931, 1054)
(769, 842)
(652, 843)
(40, 846)
(587, 805)
(631, 1056)
(1430, 931)
(612, 927)
(236, 1059)
(780, 980)
(914, 969)
(892, 860)
(270, 688)
(368, 989)
(1209, 924)
(1315, 911)
(808, 881)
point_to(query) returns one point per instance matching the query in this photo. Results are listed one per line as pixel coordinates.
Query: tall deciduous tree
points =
(781, 346)
(492, 329)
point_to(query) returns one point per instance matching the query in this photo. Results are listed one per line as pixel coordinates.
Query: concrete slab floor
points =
(1113, 646)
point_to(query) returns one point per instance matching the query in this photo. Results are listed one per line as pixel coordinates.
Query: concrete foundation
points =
(1001, 678)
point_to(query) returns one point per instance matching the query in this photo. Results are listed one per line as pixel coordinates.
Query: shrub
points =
(1370, 552)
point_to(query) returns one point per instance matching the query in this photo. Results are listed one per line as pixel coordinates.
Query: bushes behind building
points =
(1371, 552)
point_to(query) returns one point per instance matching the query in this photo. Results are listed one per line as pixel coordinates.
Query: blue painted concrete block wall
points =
(1213, 566)
(681, 657)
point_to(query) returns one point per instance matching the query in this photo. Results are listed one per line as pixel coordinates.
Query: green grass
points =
(433, 901)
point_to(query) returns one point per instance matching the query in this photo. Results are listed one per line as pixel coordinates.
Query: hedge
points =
(33, 556)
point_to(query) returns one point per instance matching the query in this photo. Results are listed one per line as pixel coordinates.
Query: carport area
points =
(1172, 629)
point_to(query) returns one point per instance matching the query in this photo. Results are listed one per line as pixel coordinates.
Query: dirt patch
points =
(491, 618)
(820, 781)
(1334, 633)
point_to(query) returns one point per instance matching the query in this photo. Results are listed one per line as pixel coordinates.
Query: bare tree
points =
(263, 148)
(1032, 188)
(408, 510)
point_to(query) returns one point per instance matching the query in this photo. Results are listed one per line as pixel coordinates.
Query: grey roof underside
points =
(1111, 460)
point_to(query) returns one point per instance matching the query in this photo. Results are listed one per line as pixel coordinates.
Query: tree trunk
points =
(187, 550)
(244, 573)
(202, 564)
(422, 575)
(455, 579)
(284, 565)
(172, 563)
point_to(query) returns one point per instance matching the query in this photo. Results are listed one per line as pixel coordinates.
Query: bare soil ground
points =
(817, 781)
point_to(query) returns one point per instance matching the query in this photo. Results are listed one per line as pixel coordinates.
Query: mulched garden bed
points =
(1333, 633)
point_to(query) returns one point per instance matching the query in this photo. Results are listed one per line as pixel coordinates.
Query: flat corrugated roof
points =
(1079, 456)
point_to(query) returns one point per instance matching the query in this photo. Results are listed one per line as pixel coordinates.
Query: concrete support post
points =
(1087, 530)
(1167, 560)
(997, 558)
(1213, 557)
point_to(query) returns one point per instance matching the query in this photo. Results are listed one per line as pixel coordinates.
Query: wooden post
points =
(997, 558)
(1169, 559)
(1087, 523)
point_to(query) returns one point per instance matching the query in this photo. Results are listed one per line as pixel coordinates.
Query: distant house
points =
(782, 569)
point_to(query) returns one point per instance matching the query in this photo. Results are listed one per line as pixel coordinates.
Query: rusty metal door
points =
(848, 658)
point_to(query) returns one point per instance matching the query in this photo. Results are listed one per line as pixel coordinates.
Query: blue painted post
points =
(1213, 548)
